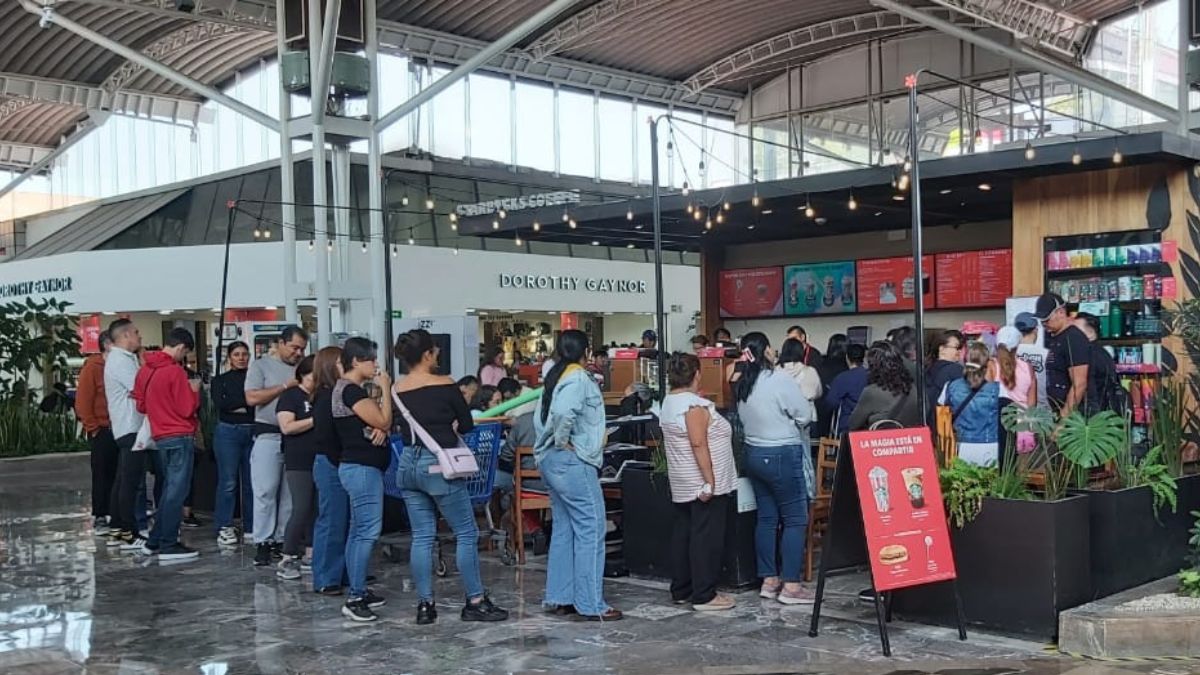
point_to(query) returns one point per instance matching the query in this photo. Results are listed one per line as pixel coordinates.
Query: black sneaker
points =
(483, 610)
(191, 521)
(356, 610)
(276, 550)
(262, 554)
(329, 590)
(177, 552)
(426, 613)
(373, 600)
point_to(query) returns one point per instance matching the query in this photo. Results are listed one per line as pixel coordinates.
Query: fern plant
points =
(1189, 583)
(964, 485)
(1154, 473)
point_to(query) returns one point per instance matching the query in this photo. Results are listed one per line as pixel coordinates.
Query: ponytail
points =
(571, 349)
(754, 351)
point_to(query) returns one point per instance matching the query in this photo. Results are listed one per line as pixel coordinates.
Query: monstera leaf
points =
(1089, 442)
(1015, 419)
(1158, 206)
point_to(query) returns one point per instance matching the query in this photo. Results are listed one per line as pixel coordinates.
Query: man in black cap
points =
(1069, 354)
(1032, 352)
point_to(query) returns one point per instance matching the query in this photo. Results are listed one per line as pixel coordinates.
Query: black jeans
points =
(132, 474)
(298, 533)
(105, 457)
(697, 547)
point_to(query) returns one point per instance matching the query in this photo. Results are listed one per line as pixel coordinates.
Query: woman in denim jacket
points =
(569, 423)
(975, 405)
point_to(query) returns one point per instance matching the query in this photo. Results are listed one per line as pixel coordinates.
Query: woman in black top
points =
(333, 506)
(361, 424)
(294, 412)
(232, 443)
(436, 404)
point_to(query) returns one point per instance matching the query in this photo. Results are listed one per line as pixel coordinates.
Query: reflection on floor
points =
(67, 606)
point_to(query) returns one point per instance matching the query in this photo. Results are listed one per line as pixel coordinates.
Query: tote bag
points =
(456, 462)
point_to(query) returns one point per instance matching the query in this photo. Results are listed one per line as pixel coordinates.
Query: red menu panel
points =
(973, 278)
(886, 284)
(752, 292)
(908, 540)
(89, 334)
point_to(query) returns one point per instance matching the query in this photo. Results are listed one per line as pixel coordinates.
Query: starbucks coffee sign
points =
(552, 282)
(519, 203)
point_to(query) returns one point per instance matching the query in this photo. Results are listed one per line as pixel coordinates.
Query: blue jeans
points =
(575, 572)
(231, 447)
(175, 457)
(424, 495)
(329, 531)
(364, 487)
(781, 495)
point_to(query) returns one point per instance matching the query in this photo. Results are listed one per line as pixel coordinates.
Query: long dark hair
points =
(571, 348)
(754, 346)
(792, 351)
(411, 347)
(325, 369)
(887, 370)
(836, 349)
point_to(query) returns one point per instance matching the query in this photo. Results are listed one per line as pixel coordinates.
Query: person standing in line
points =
(846, 389)
(171, 401)
(362, 424)
(569, 451)
(975, 406)
(1068, 356)
(294, 412)
(232, 441)
(267, 378)
(120, 370)
(91, 407)
(775, 416)
(833, 362)
(791, 361)
(945, 364)
(1017, 384)
(811, 356)
(333, 506)
(434, 404)
(702, 474)
(1104, 382)
(492, 370)
(1032, 352)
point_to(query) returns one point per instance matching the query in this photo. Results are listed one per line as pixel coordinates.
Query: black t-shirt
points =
(1103, 382)
(436, 407)
(1067, 349)
(325, 431)
(355, 435)
(299, 450)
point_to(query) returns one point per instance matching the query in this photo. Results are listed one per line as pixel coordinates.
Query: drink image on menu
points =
(810, 292)
(848, 291)
(879, 487)
(793, 292)
(830, 294)
(914, 484)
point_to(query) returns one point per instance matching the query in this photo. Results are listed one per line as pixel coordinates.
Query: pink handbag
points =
(456, 462)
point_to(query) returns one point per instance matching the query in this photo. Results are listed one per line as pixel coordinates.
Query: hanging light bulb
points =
(453, 217)
(572, 223)
(329, 246)
(907, 164)
(902, 182)
(808, 209)
(266, 234)
(411, 241)
(628, 214)
(404, 200)
(395, 251)
(429, 203)
(537, 227)
(697, 215)
(495, 224)
(454, 226)
(1030, 153)
(853, 203)
(518, 241)
(257, 232)
(755, 201)
(1117, 157)
(455, 250)
(720, 217)
(689, 207)
(566, 216)
(364, 247)
(1076, 158)
(708, 223)
(686, 190)
(503, 214)
(727, 205)
(311, 244)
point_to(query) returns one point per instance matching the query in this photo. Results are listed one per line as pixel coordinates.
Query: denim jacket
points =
(576, 417)
(979, 422)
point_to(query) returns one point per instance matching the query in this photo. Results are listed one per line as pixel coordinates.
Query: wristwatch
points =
(705, 489)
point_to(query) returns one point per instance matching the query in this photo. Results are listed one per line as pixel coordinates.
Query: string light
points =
(689, 208)
(311, 244)
(429, 203)
(808, 209)
(853, 203)
(755, 201)
(566, 216)
(1076, 158)
(395, 251)
(495, 224)
(720, 217)
(257, 232)
(266, 234)
(455, 250)
(329, 246)
(571, 222)
(686, 189)
(537, 227)
(907, 164)
(628, 214)
(364, 247)
(518, 241)
(1117, 157)
(708, 223)
(1030, 153)
(727, 205)
(404, 200)
(453, 217)
(503, 214)
(902, 182)
(696, 214)
(411, 241)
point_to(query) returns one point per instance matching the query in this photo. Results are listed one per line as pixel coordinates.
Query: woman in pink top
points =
(1016, 378)
(493, 369)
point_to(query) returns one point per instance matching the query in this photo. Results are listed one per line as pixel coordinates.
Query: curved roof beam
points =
(585, 22)
(164, 48)
(1032, 22)
(812, 35)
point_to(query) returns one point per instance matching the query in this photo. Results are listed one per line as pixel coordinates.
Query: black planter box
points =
(1130, 545)
(649, 518)
(1019, 564)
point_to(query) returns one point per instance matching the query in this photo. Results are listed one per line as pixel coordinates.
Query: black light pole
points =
(389, 339)
(658, 272)
(914, 146)
(231, 207)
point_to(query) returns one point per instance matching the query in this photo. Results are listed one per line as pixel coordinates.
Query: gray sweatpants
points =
(272, 499)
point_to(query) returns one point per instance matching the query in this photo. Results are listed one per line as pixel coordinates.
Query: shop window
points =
(491, 119)
(577, 123)
(449, 119)
(616, 140)
(535, 126)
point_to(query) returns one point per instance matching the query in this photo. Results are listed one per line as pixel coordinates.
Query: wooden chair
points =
(524, 501)
(947, 446)
(818, 512)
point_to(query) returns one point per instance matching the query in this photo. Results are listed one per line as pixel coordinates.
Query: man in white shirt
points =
(120, 370)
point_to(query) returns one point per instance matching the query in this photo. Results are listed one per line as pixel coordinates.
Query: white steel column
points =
(379, 290)
(1184, 89)
(340, 170)
(320, 213)
(287, 182)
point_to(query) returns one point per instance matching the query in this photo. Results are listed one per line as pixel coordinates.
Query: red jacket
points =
(162, 393)
(91, 406)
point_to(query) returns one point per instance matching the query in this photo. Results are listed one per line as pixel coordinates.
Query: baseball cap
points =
(1009, 336)
(1025, 322)
(649, 335)
(1047, 303)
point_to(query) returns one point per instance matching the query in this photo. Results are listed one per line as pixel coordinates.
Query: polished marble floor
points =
(69, 606)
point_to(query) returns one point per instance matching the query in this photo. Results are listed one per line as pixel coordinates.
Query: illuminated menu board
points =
(973, 278)
(886, 284)
(752, 292)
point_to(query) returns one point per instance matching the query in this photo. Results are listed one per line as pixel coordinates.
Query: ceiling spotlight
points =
(1030, 153)
(1076, 158)
(878, 213)
(503, 214)
(727, 206)
(537, 227)
(985, 186)
(595, 242)
(767, 212)
(571, 222)
(852, 204)
(750, 226)
(638, 226)
(821, 221)
(897, 198)
(628, 214)
(628, 245)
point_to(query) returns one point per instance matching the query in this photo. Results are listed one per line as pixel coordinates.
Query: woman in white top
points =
(702, 474)
(791, 360)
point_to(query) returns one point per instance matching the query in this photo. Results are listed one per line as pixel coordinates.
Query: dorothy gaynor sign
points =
(553, 282)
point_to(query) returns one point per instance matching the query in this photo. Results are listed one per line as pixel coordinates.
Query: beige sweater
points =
(805, 376)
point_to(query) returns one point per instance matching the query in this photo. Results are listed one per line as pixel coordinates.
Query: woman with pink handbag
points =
(431, 471)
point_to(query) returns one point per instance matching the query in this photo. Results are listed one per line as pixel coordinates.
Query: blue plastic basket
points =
(484, 440)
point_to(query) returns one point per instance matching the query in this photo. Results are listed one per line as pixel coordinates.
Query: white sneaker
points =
(144, 534)
(100, 526)
(134, 546)
(228, 536)
(146, 550)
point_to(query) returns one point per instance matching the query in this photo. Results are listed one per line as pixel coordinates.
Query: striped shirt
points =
(682, 469)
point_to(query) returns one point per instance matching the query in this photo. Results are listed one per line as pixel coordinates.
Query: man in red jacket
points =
(170, 402)
(91, 407)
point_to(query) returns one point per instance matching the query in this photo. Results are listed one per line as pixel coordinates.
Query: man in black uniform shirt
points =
(1104, 383)
(1068, 358)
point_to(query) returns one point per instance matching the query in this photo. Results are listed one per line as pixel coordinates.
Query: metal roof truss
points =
(88, 97)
